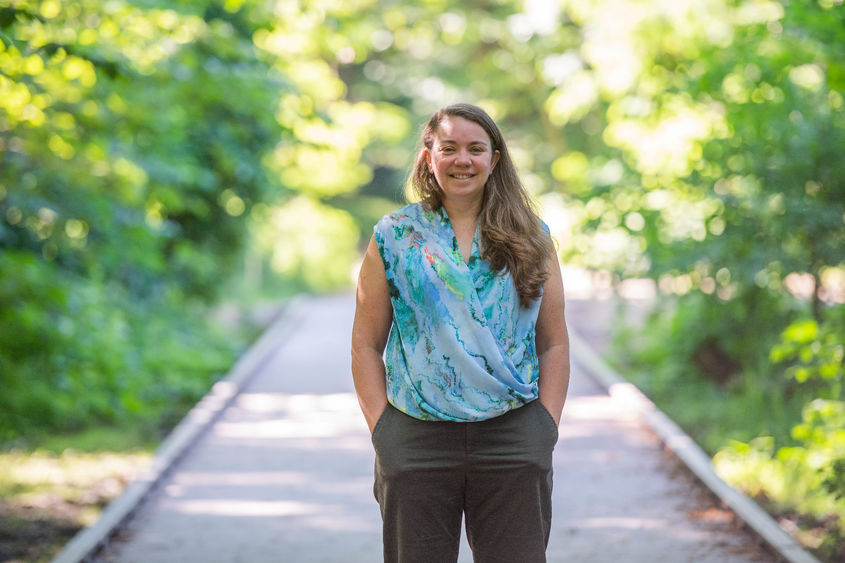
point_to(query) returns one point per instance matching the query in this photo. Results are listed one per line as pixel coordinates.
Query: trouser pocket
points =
(380, 422)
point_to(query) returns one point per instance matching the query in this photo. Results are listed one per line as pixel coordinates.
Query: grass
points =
(51, 489)
(51, 486)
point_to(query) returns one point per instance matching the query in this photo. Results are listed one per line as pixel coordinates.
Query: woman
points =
(460, 354)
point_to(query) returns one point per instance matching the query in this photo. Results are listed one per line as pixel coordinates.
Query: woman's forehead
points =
(456, 129)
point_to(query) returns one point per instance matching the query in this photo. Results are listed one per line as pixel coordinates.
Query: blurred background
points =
(165, 163)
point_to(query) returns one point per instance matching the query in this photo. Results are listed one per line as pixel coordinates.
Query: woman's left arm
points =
(552, 342)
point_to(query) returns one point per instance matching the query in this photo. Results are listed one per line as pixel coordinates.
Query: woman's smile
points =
(461, 159)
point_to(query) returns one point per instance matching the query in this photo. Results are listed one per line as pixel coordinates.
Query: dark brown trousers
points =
(497, 473)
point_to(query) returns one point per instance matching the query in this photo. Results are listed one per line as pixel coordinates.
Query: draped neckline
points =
(474, 252)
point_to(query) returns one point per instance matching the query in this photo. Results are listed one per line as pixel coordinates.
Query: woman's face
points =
(461, 159)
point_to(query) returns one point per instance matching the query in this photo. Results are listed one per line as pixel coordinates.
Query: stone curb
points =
(676, 440)
(88, 541)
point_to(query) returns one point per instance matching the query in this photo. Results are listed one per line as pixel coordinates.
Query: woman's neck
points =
(464, 221)
(462, 212)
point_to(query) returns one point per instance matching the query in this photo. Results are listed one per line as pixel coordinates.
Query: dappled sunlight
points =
(297, 404)
(277, 416)
(309, 240)
(236, 507)
(73, 472)
(632, 538)
(45, 496)
(324, 516)
(234, 478)
(591, 408)
(589, 424)
(624, 523)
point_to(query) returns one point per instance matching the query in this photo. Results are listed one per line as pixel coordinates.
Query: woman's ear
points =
(495, 160)
(428, 163)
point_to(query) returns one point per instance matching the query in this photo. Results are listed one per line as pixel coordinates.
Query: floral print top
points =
(461, 347)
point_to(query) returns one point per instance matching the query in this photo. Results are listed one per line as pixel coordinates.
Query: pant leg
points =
(509, 486)
(419, 485)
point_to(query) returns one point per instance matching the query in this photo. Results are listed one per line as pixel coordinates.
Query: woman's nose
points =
(463, 157)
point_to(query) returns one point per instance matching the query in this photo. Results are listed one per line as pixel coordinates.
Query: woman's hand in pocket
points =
(373, 415)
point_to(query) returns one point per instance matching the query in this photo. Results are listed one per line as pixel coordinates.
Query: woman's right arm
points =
(373, 317)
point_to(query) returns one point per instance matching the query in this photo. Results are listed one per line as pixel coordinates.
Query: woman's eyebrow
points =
(451, 142)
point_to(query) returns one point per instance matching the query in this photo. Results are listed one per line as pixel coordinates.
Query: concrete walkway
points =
(285, 475)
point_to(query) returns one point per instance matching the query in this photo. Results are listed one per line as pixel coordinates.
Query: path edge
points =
(690, 454)
(89, 540)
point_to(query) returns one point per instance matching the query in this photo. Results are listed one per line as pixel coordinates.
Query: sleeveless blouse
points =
(461, 347)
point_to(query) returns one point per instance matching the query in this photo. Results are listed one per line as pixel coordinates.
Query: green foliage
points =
(74, 351)
(816, 352)
(777, 431)
(123, 148)
(730, 181)
(806, 477)
(679, 360)
(113, 220)
(145, 150)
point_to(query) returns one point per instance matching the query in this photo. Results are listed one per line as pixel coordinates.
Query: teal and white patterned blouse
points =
(461, 347)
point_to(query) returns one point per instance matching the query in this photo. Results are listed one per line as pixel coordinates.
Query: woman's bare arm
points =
(552, 342)
(373, 317)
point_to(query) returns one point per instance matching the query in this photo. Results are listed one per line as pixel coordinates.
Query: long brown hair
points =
(512, 238)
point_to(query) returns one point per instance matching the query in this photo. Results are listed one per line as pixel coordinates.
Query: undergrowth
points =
(778, 437)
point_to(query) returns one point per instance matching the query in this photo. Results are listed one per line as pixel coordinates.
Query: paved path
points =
(285, 475)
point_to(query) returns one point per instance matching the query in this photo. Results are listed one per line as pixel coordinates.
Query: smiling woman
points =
(512, 238)
(461, 160)
(462, 293)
